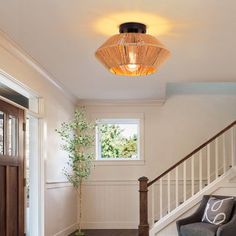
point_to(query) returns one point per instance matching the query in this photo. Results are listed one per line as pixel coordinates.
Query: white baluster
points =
(177, 186)
(161, 194)
(216, 158)
(200, 170)
(232, 147)
(192, 174)
(185, 192)
(168, 191)
(208, 164)
(153, 204)
(224, 153)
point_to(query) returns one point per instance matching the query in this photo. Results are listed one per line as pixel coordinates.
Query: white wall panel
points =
(107, 204)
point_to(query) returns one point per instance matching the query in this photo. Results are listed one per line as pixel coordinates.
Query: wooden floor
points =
(111, 232)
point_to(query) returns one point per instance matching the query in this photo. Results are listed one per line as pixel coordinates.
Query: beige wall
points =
(60, 207)
(171, 131)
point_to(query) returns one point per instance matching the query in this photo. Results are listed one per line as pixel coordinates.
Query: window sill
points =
(119, 162)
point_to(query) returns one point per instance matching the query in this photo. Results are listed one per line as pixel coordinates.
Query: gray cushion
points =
(198, 229)
(218, 211)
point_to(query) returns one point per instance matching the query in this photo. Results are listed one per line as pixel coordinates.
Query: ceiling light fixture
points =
(132, 52)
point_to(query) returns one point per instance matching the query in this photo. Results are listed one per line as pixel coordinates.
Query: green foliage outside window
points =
(114, 144)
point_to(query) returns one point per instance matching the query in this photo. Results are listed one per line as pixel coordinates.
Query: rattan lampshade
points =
(132, 52)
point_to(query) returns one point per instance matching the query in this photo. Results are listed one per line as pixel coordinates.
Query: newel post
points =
(143, 229)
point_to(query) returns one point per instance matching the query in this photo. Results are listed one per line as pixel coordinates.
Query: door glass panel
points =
(12, 136)
(1, 133)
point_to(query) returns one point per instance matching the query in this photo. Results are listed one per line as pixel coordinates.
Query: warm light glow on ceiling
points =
(156, 25)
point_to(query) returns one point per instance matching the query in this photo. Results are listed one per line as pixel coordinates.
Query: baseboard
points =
(110, 225)
(67, 231)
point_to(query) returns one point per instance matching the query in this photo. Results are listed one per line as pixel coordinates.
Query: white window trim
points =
(122, 117)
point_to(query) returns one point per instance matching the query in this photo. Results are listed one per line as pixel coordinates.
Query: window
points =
(118, 139)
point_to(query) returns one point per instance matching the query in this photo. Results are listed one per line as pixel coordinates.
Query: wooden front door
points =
(11, 170)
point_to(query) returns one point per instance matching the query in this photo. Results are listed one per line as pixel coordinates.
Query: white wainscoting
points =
(111, 205)
(62, 198)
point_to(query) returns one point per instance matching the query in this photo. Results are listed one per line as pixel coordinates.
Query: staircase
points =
(182, 186)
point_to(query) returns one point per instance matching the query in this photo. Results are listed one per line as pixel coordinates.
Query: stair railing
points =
(187, 177)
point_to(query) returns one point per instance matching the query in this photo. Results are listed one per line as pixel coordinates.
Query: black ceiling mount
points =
(133, 27)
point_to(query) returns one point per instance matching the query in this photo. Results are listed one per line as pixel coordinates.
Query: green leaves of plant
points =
(78, 137)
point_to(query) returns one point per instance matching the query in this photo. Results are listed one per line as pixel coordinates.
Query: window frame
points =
(139, 118)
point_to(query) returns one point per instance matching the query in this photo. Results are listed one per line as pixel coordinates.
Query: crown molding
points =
(122, 102)
(14, 49)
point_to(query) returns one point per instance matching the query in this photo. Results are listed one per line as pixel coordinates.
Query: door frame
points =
(41, 153)
(40, 116)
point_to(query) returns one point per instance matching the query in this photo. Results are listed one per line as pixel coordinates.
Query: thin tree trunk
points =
(80, 205)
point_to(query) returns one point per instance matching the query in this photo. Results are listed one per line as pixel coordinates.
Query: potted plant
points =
(78, 139)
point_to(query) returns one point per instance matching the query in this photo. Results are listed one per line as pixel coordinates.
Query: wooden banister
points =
(192, 153)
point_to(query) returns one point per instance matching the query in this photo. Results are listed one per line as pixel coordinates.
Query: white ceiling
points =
(60, 35)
